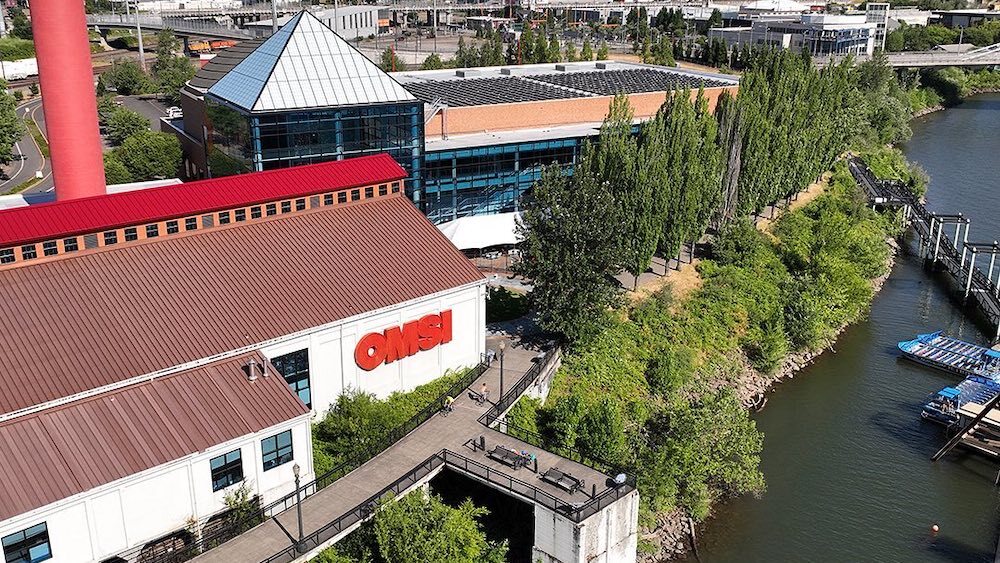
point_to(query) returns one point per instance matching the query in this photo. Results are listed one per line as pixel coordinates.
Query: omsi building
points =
(164, 347)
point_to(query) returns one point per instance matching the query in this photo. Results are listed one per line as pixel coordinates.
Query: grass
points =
(24, 185)
(503, 304)
(36, 133)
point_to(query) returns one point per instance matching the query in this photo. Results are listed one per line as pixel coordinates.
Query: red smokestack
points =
(68, 98)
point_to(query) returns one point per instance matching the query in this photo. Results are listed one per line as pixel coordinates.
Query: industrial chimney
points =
(68, 98)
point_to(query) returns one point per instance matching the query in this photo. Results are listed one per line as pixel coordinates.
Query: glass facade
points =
(241, 143)
(488, 180)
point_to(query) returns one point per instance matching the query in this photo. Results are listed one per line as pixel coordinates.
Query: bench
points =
(508, 457)
(563, 480)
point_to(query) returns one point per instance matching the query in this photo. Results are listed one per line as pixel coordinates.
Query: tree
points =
(432, 62)
(114, 171)
(553, 53)
(170, 70)
(602, 51)
(571, 252)
(715, 20)
(11, 126)
(150, 155)
(571, 55)
(390, 62)
(587, 52)
(127, 78)
(123, 123)
(420, 528)
(20, 27)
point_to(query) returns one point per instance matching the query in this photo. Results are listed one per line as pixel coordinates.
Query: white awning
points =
(482, 231)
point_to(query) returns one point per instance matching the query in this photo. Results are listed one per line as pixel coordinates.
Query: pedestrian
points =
(484, 392)
(448, 402)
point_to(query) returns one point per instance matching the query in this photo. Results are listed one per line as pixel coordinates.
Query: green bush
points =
(12, 49)
(503, 304)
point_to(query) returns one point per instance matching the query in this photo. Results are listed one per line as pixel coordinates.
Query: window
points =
(255, 212)
(241, 214)
(131, 234)
(300, 204)
(369, 191)
(6, 255)
(152, 231)
(272, 209)
(277, 450)
(328, 199)
(27, 546)
(383, 189)
(395, 188)
(224, 218)
(226, 470)
(110, 237)
(49, 248)
(294, 368)
(191, 224)
(173, 227)
(355, 195)
(342, 197)
(28, 252)
(286, 206)
(71, 244)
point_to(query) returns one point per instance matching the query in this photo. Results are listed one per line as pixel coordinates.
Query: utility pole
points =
(274, 17)
(138, 31)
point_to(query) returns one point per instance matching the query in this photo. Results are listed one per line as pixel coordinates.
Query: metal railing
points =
(514, 393)
(231, 528)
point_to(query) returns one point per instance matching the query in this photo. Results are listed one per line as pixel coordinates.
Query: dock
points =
(951, 251)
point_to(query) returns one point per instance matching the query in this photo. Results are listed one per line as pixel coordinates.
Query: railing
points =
(514, 393)
(234, 527)
(360, 513)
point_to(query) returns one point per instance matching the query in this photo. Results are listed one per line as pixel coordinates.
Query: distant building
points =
(819, 34)
(487, 23)
(966, 18)
(349, 22)
(878, 14)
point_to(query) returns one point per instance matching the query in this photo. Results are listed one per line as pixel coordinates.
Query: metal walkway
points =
(948, 251)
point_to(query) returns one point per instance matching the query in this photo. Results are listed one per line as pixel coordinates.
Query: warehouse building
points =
(168, 346)
(472, 141)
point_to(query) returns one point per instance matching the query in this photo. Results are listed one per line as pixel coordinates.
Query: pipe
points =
(68, 99)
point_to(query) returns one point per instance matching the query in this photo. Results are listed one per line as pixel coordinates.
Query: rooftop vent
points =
(252, 368)
(602, 66)
(467, 72)
(562, 68)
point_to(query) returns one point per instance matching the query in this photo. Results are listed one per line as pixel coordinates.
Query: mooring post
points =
(937, 242)
(972, 268)
(930, 237)
(958, 231)
(993, 259)
(964, 250)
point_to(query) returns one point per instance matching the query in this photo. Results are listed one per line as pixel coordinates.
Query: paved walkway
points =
(440, 432)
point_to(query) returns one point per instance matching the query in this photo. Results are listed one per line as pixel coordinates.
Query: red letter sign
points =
(396, 343)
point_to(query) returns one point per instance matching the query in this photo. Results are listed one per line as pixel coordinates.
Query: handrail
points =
(235, 527)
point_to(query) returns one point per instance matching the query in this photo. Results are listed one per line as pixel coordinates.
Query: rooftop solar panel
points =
(627, 81)
(484, 91)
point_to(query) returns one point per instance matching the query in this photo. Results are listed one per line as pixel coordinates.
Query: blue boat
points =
(943, 407)
(953, 355)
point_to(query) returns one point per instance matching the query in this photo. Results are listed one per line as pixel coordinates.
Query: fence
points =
(233, 523)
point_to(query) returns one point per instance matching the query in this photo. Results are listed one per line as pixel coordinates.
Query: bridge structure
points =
(942, 248)
(977, 58)
(209, 27)
(584, 509)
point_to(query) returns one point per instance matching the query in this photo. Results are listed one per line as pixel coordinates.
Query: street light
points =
(298, 507)
(502, 347)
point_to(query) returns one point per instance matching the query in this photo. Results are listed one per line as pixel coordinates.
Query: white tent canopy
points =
(482, 231)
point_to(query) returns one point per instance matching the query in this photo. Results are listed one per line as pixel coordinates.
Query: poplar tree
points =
(587, 52)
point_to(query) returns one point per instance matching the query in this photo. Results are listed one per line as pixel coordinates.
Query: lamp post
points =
(503, 345)
(296, 470)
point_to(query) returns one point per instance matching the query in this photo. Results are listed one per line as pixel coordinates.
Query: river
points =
(846, 456)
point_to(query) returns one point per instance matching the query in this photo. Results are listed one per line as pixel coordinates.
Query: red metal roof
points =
(60, 452)
(99, 317)
(55, 220)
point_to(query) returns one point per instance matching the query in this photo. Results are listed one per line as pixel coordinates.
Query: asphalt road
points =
(21, 171)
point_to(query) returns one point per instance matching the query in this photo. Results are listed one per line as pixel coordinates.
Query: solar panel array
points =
(484, 91)
(628, 81)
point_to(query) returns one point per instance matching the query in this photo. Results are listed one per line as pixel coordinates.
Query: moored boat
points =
(952, 355)
(944, 406)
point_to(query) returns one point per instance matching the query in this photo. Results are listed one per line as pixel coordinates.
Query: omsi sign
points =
(397, 343)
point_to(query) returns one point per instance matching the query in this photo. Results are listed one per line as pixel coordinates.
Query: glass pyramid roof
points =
(306, 65)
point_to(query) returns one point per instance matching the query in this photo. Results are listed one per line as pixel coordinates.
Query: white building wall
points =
(332, 368)
(133, 511)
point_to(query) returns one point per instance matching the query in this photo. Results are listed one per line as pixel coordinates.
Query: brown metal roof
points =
(103, 316)
(57, 453)
(223, 62)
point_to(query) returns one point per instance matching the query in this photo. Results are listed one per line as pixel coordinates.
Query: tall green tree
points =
(127, 78)
(571, 252)
(390, 62)
(122, 123)
(150, 155)
(586, 52)
(715, 20)
(432, 62)
(20, 27)
(11, 126)
(171, 69)
(602, 51)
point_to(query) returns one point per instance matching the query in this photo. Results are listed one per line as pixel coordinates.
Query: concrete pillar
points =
(610, 536)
